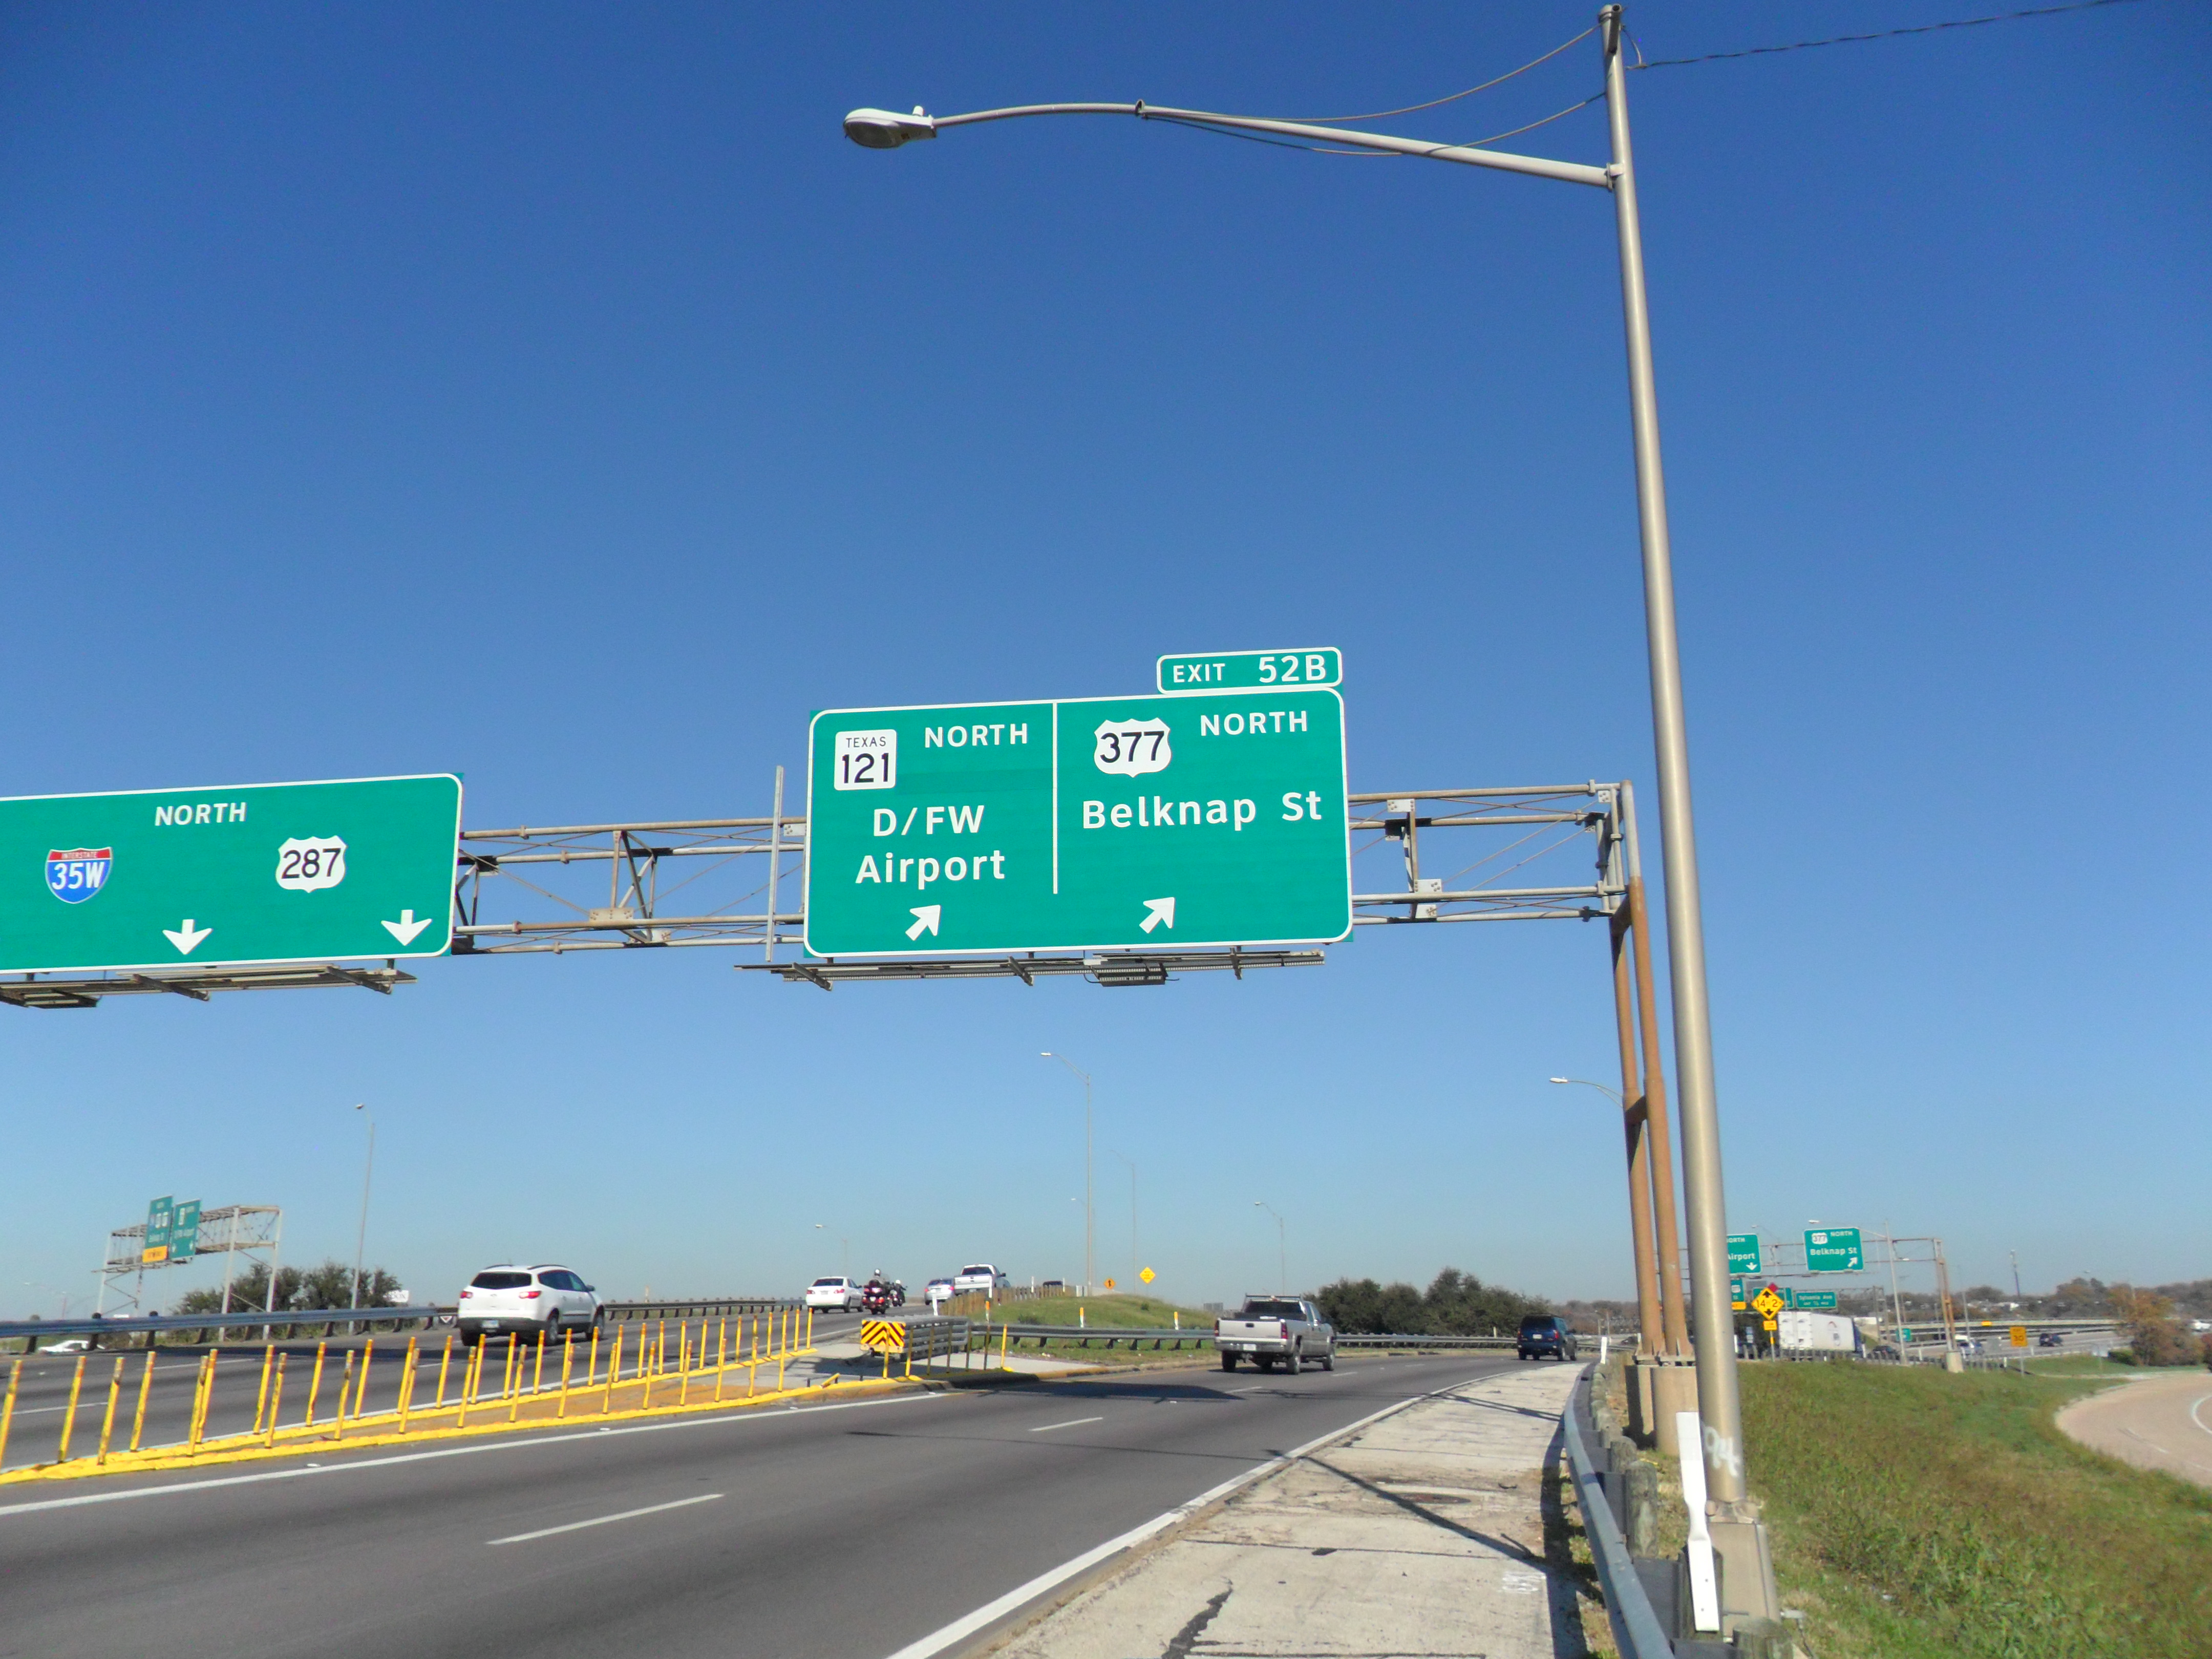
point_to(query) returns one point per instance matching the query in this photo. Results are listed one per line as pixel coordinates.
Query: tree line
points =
(299, 1290)
(1455, 1303)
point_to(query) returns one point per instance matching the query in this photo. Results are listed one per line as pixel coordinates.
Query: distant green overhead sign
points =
(184, 1232)
(1813, 1301)
(1252, 671)
(1834, 1250)
(266, 873)
(1163, 821)
(1743, 1254)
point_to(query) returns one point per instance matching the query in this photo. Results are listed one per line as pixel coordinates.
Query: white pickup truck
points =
(1269, 1328)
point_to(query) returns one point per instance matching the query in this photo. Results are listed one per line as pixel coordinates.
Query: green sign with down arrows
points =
(1212, 819)
(248, 874)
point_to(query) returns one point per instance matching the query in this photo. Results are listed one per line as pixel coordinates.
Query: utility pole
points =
(1282, 1250)
(2016, 1295)
(1089, 1212)
(1134, 1281)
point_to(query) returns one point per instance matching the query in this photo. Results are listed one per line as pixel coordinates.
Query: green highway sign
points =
(159, 1216)
(1106, 822)
(1743, 1253)
(1735, 1294)
(184, 1232)
(1813, 1301)
(1252, 671)
(267, 872)
(1834, 1250)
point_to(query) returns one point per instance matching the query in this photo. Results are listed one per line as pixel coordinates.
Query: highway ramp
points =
(839, 1529)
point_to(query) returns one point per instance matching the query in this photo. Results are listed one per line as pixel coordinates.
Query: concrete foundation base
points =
(1745, 1571)
(1673, 1389)
(1643, 1421)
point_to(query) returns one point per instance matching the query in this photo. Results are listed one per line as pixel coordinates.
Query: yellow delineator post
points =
(346, 1387)
(567, 1358)
(315, 1383)
(205, 1387)
(260, 1400)
(276, 1398)
(361, 1388)
(514, 1375)
(1004, 1329)
(8, 1411)
(407, 1382)
(69, 1414)
(145, 1390)
(592, 1359)
(445, 1359)
(721, 1353)
(537, 1377)
(470, 1361)
(114, 1398)
(614, 1370)
(683, 1362)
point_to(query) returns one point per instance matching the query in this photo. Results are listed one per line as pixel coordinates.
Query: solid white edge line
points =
(991, 1612)
(469, 1450)
(1072, 1423)
(603, 1520)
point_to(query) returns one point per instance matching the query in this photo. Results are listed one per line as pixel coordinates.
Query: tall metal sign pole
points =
(1748, 1588)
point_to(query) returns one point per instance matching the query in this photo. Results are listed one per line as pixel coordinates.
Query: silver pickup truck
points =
(1270, 1328)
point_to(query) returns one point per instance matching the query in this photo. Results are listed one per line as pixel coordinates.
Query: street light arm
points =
(877, 129)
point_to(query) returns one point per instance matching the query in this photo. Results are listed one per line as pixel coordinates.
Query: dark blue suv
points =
(1545, 1336)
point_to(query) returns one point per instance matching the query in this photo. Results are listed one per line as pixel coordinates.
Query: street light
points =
(844, 1251)
(1720, 1405)
(1612, 1095)
(1089, 1213)
(360, 1234)
(1125, 1158)
(1282, 1250)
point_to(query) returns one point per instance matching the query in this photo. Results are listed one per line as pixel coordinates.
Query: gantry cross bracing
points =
(737, 882)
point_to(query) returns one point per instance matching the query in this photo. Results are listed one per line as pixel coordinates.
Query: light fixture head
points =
(884, 129)
(1562, 1079)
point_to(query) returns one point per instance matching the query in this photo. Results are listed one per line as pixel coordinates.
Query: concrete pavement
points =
(2162, 1421)
(860, 1528)
(1423, 1534)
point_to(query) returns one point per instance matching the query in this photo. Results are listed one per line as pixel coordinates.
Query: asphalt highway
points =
(42, 1395)
(852, 1528)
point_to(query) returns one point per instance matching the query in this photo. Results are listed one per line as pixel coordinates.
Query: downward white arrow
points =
(1163, 910)
(187, 938)
(924, 920)
(406, 927)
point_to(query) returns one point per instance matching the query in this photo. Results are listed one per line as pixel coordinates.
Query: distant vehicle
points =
(1272, 1329)
(2051, 1339)
(540, 1300)
(1545, 1336)
(937, 1291)
(71, 1345)
(837, 1291)
(983, 1279)
(1053, 1284)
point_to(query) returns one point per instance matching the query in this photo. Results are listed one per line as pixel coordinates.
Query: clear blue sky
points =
(553, 394)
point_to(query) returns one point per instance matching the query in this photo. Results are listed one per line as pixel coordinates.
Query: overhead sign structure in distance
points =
(1251, 671)
(1743, 1254)
(242, 874)
(1109, 822)
(1834, 1250)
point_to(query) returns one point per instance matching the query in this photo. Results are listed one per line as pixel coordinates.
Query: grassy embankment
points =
(1916, 1515)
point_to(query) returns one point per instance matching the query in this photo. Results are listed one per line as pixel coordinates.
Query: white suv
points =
(837, 1291)
(539, 1300)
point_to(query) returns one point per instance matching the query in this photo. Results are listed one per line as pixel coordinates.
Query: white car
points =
(938, 1290)
(537, 1301)
(981, 1278)
(837, 1291)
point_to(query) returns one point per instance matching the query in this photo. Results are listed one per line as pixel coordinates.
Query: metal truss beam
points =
(734, 883)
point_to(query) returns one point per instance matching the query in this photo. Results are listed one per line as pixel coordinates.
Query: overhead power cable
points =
(1438, 103)
(1880, 35)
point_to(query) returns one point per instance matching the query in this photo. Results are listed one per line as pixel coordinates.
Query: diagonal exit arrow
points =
(1163, 910)
(924, 920)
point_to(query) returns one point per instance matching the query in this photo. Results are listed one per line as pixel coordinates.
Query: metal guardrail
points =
(237, 1319)
(1637, 1630)
(1410, 1341)
(1106, 1335)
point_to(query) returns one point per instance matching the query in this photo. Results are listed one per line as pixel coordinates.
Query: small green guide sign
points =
(1743, 1254)
(159, 1215)
(1813, 1301)
(263, 872)
(1168, 821)
(1250, 671)
(184, 1232)
(1834, 1250)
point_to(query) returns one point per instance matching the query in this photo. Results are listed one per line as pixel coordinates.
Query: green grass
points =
(1916, 1515)
(1110, 1309)
(2082, 1364)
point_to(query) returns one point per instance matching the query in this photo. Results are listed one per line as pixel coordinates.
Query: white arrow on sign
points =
(187, 938)
(1163, 910)
(924, 920)
(406, 927)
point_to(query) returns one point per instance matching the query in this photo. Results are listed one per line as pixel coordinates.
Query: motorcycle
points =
(876, 1298)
